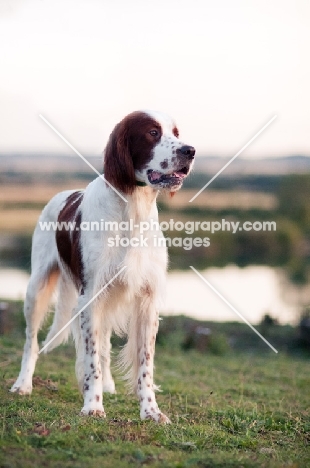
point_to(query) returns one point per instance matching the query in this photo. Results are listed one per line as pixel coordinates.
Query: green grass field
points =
(235, 410)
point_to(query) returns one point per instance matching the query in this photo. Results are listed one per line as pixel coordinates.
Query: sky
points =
(221, 68)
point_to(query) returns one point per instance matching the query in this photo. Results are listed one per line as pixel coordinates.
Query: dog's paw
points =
(157, 417)
(96, 413)
(21, 388)
(163, 419)
(89, 410)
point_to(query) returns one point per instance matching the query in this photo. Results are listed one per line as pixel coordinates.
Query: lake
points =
(253, 291)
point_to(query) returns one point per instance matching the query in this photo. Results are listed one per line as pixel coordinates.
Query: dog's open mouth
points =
(176, 177)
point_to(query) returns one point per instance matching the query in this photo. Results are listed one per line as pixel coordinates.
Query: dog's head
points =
(145, 147)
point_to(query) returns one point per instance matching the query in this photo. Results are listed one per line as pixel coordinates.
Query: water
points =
(13, 283)
(253, 291)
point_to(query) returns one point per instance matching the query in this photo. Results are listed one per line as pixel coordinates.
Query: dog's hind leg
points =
(67, 298)
(39, 291)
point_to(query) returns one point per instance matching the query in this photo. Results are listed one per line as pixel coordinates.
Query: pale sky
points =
(221, 68)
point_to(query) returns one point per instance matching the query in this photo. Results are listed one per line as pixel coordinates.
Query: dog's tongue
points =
(158, 175)
(155, 175)
(181, 175)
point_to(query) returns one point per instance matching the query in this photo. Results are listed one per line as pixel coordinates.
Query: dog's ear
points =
(118, 167)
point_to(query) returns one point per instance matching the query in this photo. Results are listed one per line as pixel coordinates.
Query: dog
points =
(143, 156)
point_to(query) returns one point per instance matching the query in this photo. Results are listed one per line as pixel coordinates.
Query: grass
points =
(235, 410)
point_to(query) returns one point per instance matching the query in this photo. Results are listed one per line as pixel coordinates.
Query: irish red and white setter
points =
(143, 156)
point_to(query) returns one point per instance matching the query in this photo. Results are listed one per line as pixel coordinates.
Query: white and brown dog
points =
(143, 155)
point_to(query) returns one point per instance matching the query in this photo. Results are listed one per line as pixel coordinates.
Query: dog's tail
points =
(60, 329)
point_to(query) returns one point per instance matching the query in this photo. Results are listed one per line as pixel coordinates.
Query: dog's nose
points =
(188, 151)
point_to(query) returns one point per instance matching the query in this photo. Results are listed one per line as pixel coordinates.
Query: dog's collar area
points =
(140, 184)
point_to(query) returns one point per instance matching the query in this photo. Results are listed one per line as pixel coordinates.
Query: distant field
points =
(34, 193)
(221, 199)
(21, 204)
(211, 199)
(18, 221)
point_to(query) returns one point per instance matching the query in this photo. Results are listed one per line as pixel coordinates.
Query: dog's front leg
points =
(92, 381)
(147, 326)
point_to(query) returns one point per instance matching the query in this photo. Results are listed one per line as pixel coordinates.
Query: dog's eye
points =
(154, 133)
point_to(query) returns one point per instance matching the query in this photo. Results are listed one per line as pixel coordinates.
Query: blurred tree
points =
(294, 199)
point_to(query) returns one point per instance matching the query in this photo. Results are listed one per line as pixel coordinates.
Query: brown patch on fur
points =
(130, 147)
(68, 242)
